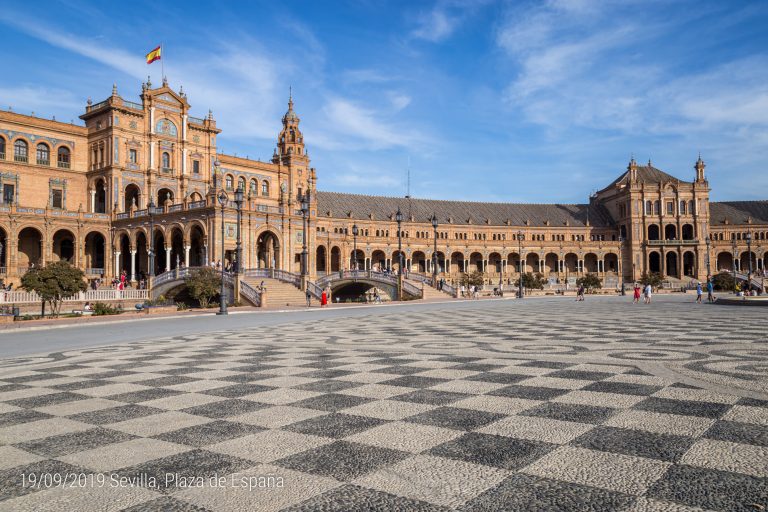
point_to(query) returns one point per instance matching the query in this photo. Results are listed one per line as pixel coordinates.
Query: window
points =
(195, 166)
(20, 151)
(8, 193)
(63, 158)
(133, 156)
(43, 154)
(670, 208)
(254, 187)
(57, 198)
(241, 184)
(265, 188)
(2, 148)
(682, 207)
(230, 182)
(166, 162)
(656, 207)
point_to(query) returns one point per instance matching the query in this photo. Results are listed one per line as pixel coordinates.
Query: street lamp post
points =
(399, 219)
(520, 265)
(749, 256)
(355, 231)
(621, 252)
(223, 294)
(434, 252)
(239, 249)
(733, 254)
(151, 210)
(709, 271)
(304, 214)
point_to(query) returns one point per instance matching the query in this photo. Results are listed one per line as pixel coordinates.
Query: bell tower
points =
(290, 142)
(700, 166)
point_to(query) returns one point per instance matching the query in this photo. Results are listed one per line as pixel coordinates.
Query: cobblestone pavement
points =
(535, 405)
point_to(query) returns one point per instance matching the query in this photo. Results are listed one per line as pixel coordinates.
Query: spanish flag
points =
(154, 55)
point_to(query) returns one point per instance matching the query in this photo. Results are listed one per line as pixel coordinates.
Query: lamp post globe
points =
(223, 293)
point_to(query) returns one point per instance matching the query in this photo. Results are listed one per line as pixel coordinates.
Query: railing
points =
(2, 156)
(196, 120)
(43, 162)
(197, 204)
(176, 208)
(391, 279)
(126, 215)
(133, 105)
(250, 293)
(20, 158)
(182, 273)
(98, 105)
(156, 210)
(273, 273)
(672, 242)
(3, 270)
(754, 281)
(167, 170)
(63, 165)
(17, 297)
(314, 290)
(94, 271)
(447, 288)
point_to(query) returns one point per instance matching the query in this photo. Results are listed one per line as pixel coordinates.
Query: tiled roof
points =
(354, 206)
(647, 174)
(737, 212)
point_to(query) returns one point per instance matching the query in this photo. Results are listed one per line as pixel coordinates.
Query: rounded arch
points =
(571, 262)
(195, 197)
(320, 257)
(590, 263)
(654, 262)
(3, 147)
(4, 249)
(687, 232)
(165, 161)
(229, 182)
(653, 232)
(611, 262)
(191, 225)
(265, 188)
(197, 237)
(95, 253)
(378, 260)
(670, 232)
(475, 262)
(241, 184)
(63, 157)
(513, 261)
(335, 259)
(551, 262)
(20, 150)
(670, 261)
(163, 195)
(532, 262)
(268, 245)
(253, 189)
(457, 262)
(724, 261)
(494, 262)
(63, 245)
(744, 261)
(419, 262)
(176, 243)
(132, 197)
(43, 154)
(689, 264)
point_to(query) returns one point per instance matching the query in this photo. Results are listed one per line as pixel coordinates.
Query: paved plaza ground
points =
(543, 404)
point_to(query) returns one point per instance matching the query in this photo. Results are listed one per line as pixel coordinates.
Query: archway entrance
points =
(196, 247)
(689, 264)
(177, 248)
(654, 262)
(671, 264)
(159, 250)
(100, 198)
(30, 248)
(268, 250)
(132, 197)
(335, 259)
(320, 255)
(378, 261)
(95, 249)
(64, 246)
(164, 195)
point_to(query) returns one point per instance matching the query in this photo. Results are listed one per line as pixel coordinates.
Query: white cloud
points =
(445, 17)
(38, 99)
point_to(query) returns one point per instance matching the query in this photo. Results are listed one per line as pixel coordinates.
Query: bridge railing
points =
(274, 273)
(250, 293)
(447, 288)
(21, 297)
(391, 279)
(755, 281)
(315, 290)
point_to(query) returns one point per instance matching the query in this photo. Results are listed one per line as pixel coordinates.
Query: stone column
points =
(93, 200)
(133, 264)
(186, 255)
(205, 255)
(168, 259)
(117, 263)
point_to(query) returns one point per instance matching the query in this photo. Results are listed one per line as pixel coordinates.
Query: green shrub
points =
(102, 308)
(590, 282)
(724, 282)
(203, 285)
(180, 306)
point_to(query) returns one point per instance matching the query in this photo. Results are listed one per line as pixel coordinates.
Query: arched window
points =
(241, 184)
(166, 161)
(656, 207)
(265, 188)
(648, 208)
(43, 154)
(682, 208)
(691, 210)
(63, 158)
(230, 182)
(20, 151)
(2, 148)
(254, 187)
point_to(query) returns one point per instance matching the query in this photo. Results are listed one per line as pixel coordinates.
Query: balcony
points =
(166, 170)
(672, 242)
(20, 158)
(63, 165)
(43, 162)
(2, 156)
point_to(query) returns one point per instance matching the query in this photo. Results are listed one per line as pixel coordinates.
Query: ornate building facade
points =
(147, 174)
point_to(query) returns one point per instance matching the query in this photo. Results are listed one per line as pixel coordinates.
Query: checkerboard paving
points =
(369, 429)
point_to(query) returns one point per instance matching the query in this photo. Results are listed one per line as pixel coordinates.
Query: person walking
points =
(648, 292)
(699, 293)
(636, 297)
(580, 294)
(309, 298)
(710, 291)
(323, 299)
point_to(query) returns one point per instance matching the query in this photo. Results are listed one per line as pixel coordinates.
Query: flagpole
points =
(162, 61)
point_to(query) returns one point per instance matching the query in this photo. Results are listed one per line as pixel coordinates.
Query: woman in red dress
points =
(323, 299)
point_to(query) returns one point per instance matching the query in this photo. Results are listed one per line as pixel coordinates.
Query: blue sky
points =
(482, 100)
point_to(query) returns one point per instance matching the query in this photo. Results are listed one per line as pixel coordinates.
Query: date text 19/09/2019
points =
(177, 480)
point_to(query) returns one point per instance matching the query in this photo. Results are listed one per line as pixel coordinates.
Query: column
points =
(168, 259)
(184, 127)
(133, 264)
(93, 200)
(151, 155)
(117, 263)
(151, 119)
(466, 265)
(205, 255)
(186, 255)
(184, 160)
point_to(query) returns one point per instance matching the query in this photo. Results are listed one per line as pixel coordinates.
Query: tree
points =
(532, 281)
(54, 283)
(724, 281)
(475, 278)
(203, 284)
(654, 279)
(589, 281)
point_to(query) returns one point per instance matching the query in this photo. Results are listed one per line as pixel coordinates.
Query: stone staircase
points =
(429, 291)
(279, 294)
